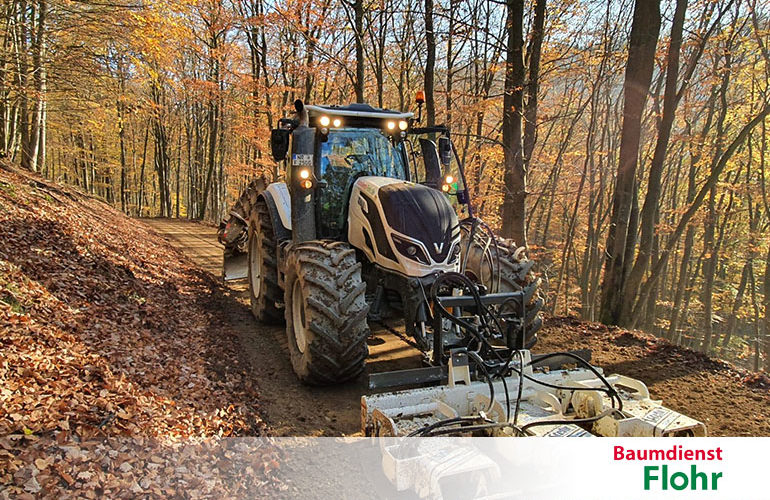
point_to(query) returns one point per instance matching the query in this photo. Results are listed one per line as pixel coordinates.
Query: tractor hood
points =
(421, 213)
(403, 226)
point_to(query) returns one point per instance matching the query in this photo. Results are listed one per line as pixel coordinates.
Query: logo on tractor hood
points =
(438, 246)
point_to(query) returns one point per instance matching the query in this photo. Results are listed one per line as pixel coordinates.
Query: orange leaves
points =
(104, 334)
(17, 319)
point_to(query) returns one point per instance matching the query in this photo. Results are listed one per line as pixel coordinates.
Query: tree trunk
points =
(178, 172)
(641, 58)
(42, 136)
(737, 304)
(682, 285)
(22, 64)
(450, 57)
(141, 171)
(533, 53)
(121, 112)
(213, 124)
(430, 63)
(653, 197)
(213, 119)
(358, 28)
(766, 301)
(514, 201)
(709, 268)
(39, 72)
(757, 329)
(121, 140)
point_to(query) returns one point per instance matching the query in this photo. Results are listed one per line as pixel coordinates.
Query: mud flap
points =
(233, 235)
(235, 265)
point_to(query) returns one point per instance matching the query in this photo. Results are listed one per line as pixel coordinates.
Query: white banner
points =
(434, 468)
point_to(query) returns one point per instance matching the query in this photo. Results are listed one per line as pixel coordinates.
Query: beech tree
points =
(621, 239)
(514, 201)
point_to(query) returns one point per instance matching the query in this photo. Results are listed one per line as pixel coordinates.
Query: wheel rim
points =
(255, 265)
(298, 317)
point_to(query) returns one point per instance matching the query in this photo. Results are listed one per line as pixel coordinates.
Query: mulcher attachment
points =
(574, 402)
(493, 386)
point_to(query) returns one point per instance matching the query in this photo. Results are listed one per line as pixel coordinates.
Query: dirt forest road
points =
(288, 407)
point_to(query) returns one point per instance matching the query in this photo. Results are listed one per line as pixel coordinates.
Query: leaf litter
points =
(115, 378)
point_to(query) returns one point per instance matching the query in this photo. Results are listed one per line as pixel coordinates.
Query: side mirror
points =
(431, 159)
(279, 143)
(445, 151)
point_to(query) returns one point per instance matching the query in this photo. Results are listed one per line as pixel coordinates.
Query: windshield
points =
(347, 155)
(356, 151)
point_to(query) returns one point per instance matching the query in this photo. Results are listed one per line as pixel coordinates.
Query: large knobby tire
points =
(264, 291)
(504, 268)
(325, 312)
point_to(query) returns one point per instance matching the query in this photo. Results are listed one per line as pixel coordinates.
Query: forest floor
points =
(113, 354)
(730, 401)
(121, 328)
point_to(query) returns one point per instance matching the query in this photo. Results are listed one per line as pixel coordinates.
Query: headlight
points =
(337, 122)
(305, 181)
(403, 125)
(391, 125)
(455, 253)
(410, 250)
(324, 121)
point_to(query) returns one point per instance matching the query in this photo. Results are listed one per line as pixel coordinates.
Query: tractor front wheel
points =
(504, 268)
(325, 312)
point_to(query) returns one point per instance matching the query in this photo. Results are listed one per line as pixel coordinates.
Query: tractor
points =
(367, 221)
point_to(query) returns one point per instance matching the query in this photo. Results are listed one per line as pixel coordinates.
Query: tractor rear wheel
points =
(325, 312)
(504, 268)
(264, 291)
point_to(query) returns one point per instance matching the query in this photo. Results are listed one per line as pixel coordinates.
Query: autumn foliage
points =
(110, 354)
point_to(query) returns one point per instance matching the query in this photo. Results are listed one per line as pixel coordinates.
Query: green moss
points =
(8, 296)
(8, 188)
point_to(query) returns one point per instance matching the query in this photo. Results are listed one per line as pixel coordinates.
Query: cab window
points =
(346, 155)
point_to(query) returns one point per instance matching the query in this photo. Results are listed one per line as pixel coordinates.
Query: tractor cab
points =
(334, 146)
(354, 141)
